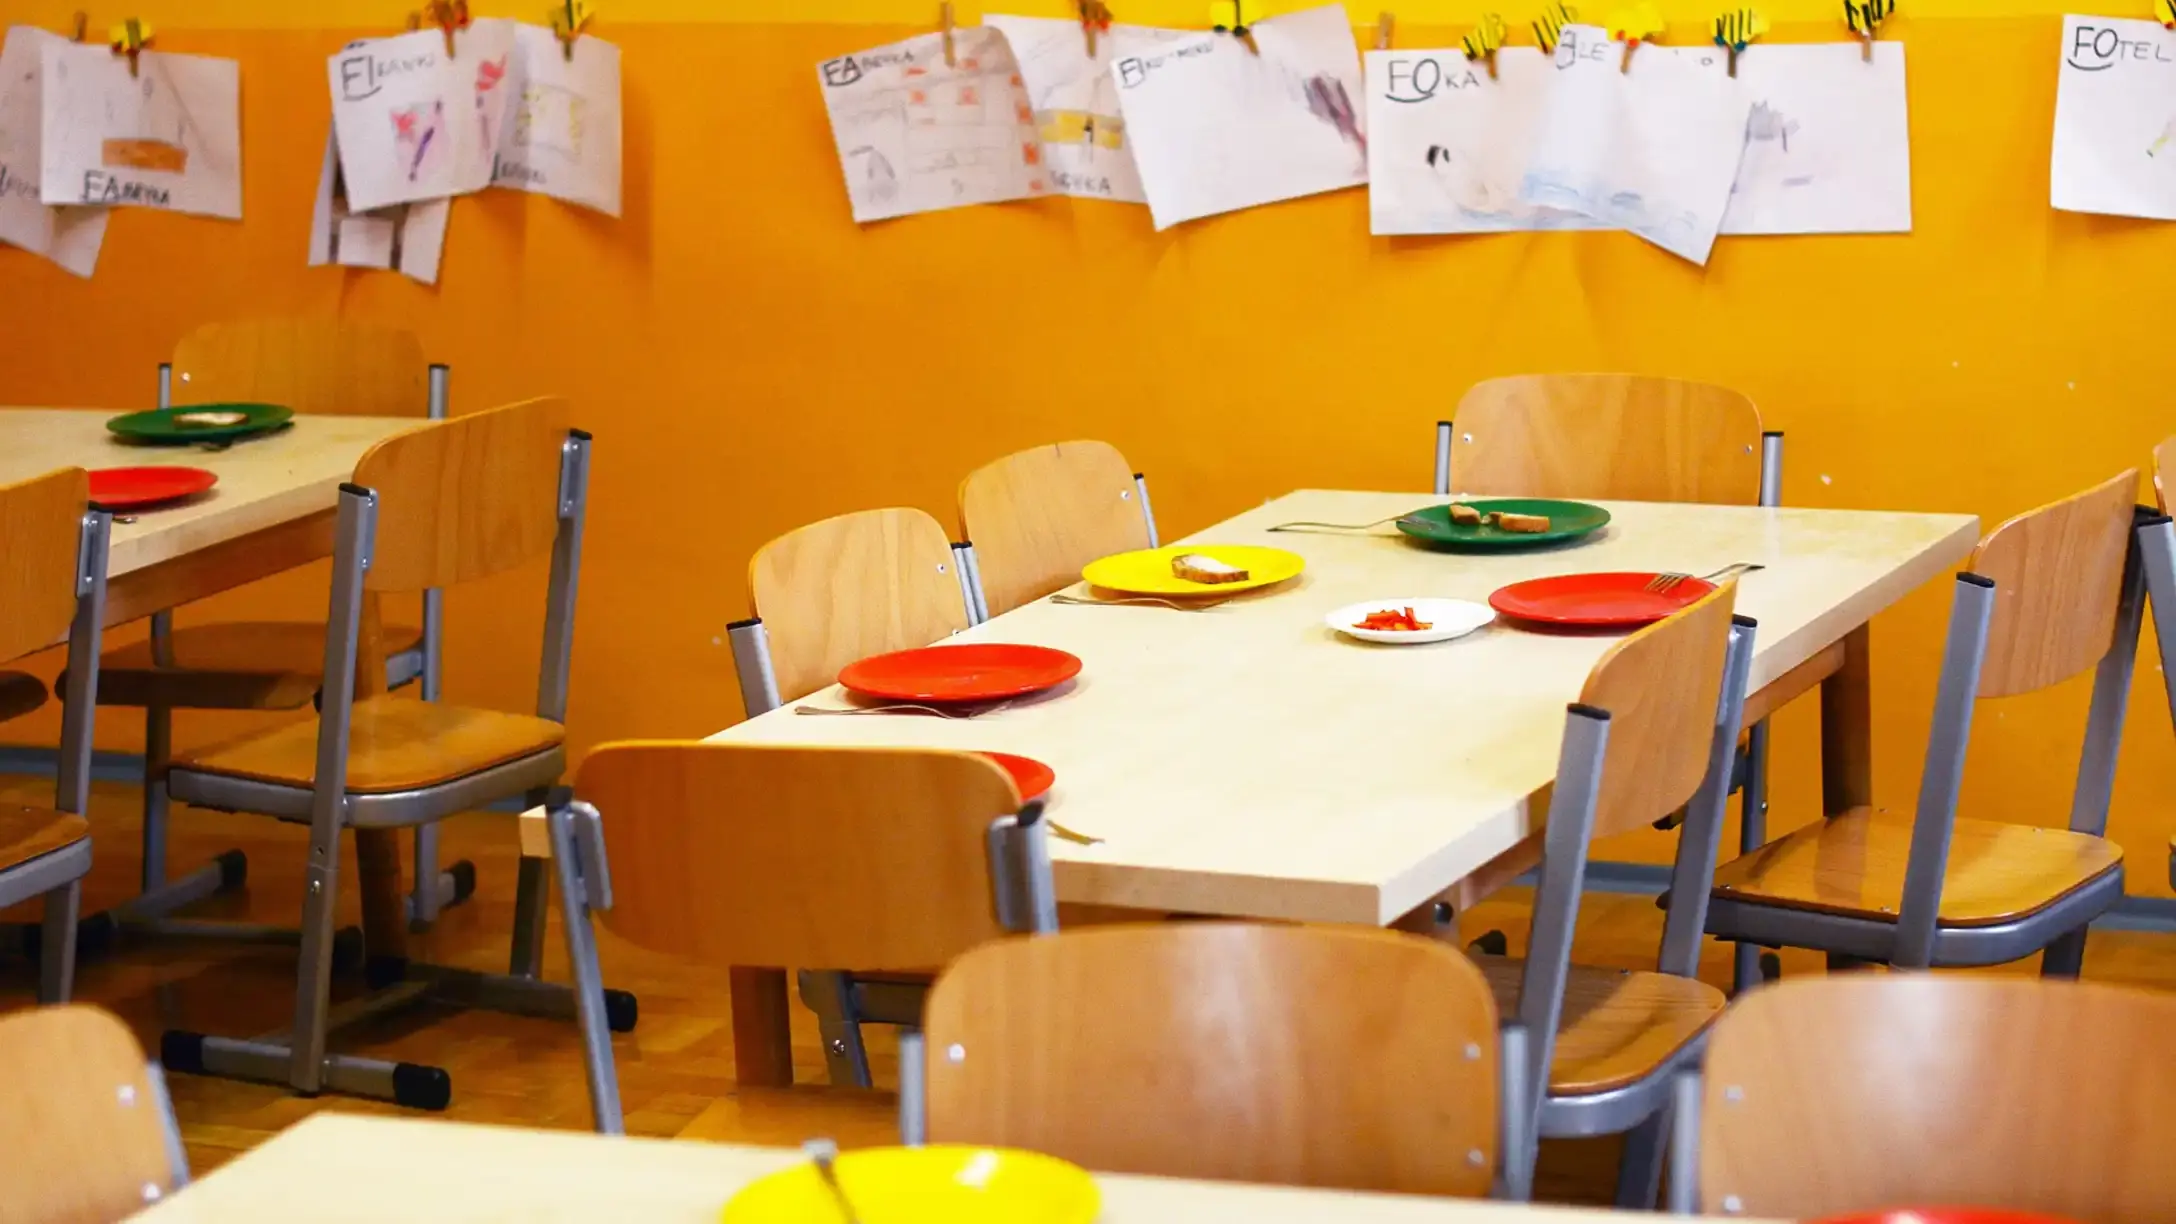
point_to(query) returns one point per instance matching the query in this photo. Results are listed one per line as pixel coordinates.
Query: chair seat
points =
(28, 833)
(1619, 1026)
(394, 744)
(241, 665)
(1853, 865)
(19, 694)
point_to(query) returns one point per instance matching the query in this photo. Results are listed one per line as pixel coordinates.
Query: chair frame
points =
(301, 1061)
(2157, 553)
(1917, 939)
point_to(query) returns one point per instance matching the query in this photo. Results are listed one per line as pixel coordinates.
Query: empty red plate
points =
(1947, 1215)
(1596, 601)
(978, 672)
(128, 487)
(1030, 776)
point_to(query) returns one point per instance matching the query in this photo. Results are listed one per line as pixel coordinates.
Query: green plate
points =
(1568, 520)
(163, 425)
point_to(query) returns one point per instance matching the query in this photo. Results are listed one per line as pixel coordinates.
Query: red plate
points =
(1947, 1215)
(1032, 777)
(128, 487)
(978, 672)
(1596, 601)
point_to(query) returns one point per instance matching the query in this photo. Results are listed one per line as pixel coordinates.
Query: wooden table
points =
(1249, 761)
(344, 1169)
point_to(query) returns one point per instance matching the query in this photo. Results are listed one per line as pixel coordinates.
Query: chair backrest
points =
(465, 498)
(310, 365)
(84, 1121)
(850, 587)
(746, 854)
(2058, 575)
(41, 538)
(1622, 437)
(1661, 687)
(1315, 1056)
(1860, 1092)
(1037, 517)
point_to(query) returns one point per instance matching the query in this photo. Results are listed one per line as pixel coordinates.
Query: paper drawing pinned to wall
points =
(2115, 119)
(1828, 145)
(69, 236)
(562, 137)
(162, 131)
(397, 105)
(1086, 151)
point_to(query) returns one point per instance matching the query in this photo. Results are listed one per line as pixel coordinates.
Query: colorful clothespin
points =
(1386, 29)
(1485, 39)
(449, 16)
(1549, 27)
(1865, 18)
(1635, 25)
(1095, 18)
(2164, 11)
(569, 19)
(1228, 17)
(944, 24)
(130, 38)
(83, 25)
(1735, 31)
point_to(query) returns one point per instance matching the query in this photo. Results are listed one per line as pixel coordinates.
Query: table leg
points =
(762, 1041)
(1847, 729)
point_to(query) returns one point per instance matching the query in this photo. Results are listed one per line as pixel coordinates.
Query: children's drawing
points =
(408, 238)
(490, 101)
(562, 137)
(1217, 127)
(69, 236)
(396, 107)
(416, 128)
(1075, 99)
(1828, 145)
(916, 134)
(169, 137)
(2115, 118)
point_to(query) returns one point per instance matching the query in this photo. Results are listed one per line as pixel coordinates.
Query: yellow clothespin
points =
(1095, 18)
(1386, 28)
(944, 23)
(1485, 40)
(1229, 17)
(569, 19)
(1549, 27)
(1735, 31)
(1640, 23)
(449, 16)
(1865, 18)
(83, 24)
(2164, 11)
(130, 38)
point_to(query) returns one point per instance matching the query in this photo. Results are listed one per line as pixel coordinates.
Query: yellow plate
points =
(938, 1184)
(1148, 572)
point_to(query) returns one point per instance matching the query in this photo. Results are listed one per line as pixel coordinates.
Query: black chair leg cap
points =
(1491, 943)
(347, 949)
(620, 1010)
(1771, 967)
(233, 870)
(464, 881)
(383, 971)
(182, 1051)
(421, 1087)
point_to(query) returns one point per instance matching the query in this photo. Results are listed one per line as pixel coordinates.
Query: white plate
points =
(1446, 619)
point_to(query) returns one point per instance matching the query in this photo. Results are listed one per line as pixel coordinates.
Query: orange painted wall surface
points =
(749, 360)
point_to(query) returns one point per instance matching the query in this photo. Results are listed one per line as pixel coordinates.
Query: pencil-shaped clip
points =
(130, 38)
(1229, 17)
(1865, 18)
(1736, 30)
(1635, 25)
(449, 16)
(569, 19)
(1095, 19)
(1386, 29)
(1484, 40)
(944, 25)
(2164, 11)
(82, 25)
(1549, 27)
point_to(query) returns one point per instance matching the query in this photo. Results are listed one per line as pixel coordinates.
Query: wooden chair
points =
(1313, 1056)
(316, 367)
(2157, 548)
(1867, 1092)
(889, 859)
(53, 584)
(1034, 519)
(1655, 730)
(447, 503)
(2048, 595)
(88, 1131)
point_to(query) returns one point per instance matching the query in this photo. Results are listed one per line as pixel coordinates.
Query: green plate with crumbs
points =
(1568, 521)
(199, 423)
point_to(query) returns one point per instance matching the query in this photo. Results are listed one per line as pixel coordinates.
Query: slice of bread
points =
(1194, 567)
(1524, 524)
(1465, 515)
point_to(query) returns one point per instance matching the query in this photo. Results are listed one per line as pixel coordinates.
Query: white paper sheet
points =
(1085, 150)
(1654, 150)
(1828, 146)
(169, 137)
(1447, 146)
(71, 236)
(408, 238)
(563, 138)
(918, 135)
(414, 124)
(2115, 119)
(1216, 128)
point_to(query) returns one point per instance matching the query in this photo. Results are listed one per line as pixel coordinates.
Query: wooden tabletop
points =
(1249, 761)
(345, 1169)
(263, 482)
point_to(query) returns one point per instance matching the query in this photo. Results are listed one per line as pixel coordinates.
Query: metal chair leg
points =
(313, 981)
(57, 943)
(591, 1005)
(532, 898)
(2065, 958)
(1639, 1177)
(831, 996)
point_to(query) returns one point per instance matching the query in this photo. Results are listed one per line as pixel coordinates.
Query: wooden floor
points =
(676, 1069)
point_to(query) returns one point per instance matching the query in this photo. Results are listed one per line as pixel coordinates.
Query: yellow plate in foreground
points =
(1148, 572)
(938, 1184)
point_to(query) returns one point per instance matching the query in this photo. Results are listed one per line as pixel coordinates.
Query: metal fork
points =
(1304, 525)
(822, 1153)
(1663, 584)
(1197, 605)
(905, 708)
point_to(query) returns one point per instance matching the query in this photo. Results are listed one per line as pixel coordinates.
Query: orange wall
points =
(749, 360)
